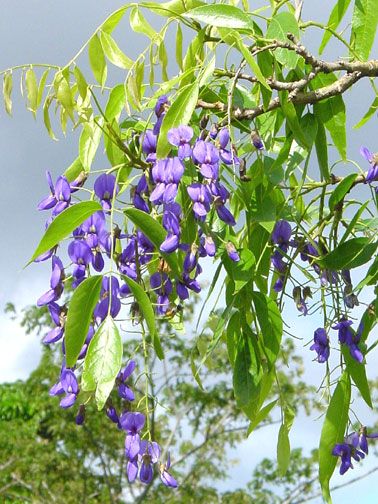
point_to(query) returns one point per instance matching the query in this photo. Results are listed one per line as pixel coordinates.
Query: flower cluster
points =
(160, 191)
(355, 446)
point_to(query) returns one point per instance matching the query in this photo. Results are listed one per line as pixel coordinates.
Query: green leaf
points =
(331, 113)
(333, 432)
(349, 255)
(179, 57)
(180, 112)
(64, 224)
(372, 109)
(260, 417)
(246, 375)
(74, 170)
(223, 16)
(41, 86)
(163, 60)
(283, 450)
(154, 232)
(337, 14)
(364, 27)
(353, 222)
(88, 144)
(341, 190)
(357, 372)
(371, 277)
(241, 271)
(82, 84)
(171, 8)
(103, 362)
(279, 26)
(113, 20)
(97, 60)
(7, 92)
(116, 103)
(309, 126)
(292, 119)
(232, 336)
(46, 116)
(64, 95)
(322, 151)
(270, 322)
(114, 53)
(32, 89)
(79, 316)
(252, 64)
(139, 24)
(145, 305)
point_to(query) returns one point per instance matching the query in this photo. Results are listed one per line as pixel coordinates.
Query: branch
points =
(354, 72)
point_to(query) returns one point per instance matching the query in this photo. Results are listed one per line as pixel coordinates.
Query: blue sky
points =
(51, 32)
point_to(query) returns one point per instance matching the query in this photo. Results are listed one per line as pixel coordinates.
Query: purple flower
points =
(106, 189)
(70, 387)
(372, 173)
(256, 140)
(167, 478)
(56, 283)
(171, 222)
(109, 294)
(349, 338)
(277, 261)
(278, 286)
(166, 174)
(124, 391)
(161, 107)
(81, 255)
(80, 417)
(180, 137)
(58, 317)
(60, 196)
(232, 252)
(227, 156)
(300, 300)
(111, 413)
(132, 423)
(201, 197)
(207, 157)
(150, 454)
(321, 345)
(281, 233)
(348, 450)
(149, 143)
(207, 246)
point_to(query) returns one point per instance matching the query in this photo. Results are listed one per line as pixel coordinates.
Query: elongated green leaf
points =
(113, 20)
(64, 224)
(337, 14)
(46, 116)
(154, 232)
(341, 190)
(103, 361)
(74, 170)
(372, 109)
(371, 277)
(247, 374)
(309, 126)
(270, 321)
(7, 92)
(180, 112)
(116, 103)
(32, 91)
(171, 8)
(79, 316)
(252, 64)
(333, 432)
(145, 306)
(357, 372)
(322, 151)
(223, 16)
(364, 27)
(350, 254)
(163, 60)
(139, 24)
(260, 417)
(353, 222)
(280, 25)
(97, 60)
(331, 113)
(113, 52)
(82, 85)
(292, 119)
(283, 450)
(41, 86)
(241, 271)
(178, 52)
(88, 144)
(64, 96)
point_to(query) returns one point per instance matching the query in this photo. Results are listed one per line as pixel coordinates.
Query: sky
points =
(51, 32)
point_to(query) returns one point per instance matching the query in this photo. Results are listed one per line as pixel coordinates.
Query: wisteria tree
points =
(217, 145)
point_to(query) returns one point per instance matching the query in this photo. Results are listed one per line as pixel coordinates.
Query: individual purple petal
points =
(170, 244)
(132, 422)
(146, 473)
(69, 381)
(105, 189)
(68, 401)
(281, 232)
(132, 470)
(53, 336)
(132, 444)
(225, 215)
(56, 389)
(125, 392)
(161, 105)
(232, 252)
(364, 151)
